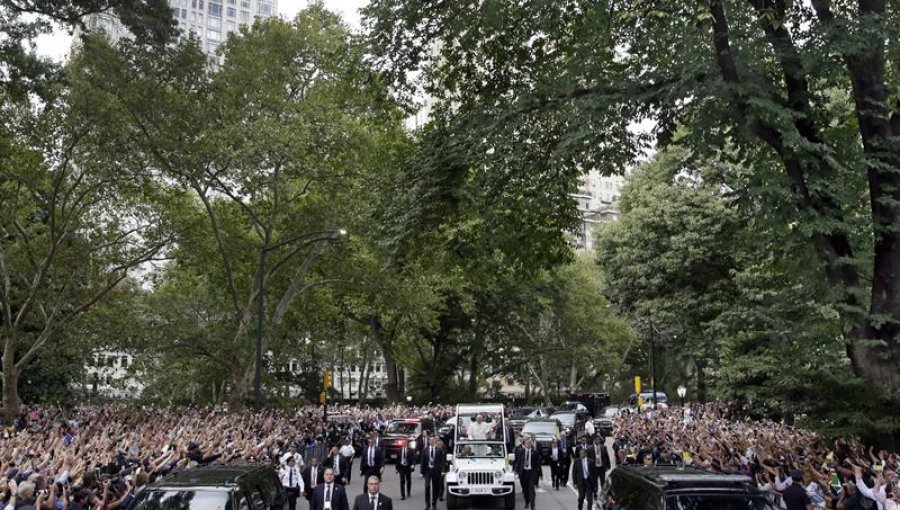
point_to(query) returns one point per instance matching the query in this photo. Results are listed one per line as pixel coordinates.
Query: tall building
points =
(210, 20)
(598, 202)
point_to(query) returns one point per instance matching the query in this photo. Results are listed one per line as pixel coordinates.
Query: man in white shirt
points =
(479, 429)
(292, 453)
(292, 480)
(589, 429)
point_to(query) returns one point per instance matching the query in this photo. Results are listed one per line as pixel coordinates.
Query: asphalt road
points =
(546, 497)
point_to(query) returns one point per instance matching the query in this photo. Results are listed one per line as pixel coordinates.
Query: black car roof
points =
(209, 476)
(672, 477)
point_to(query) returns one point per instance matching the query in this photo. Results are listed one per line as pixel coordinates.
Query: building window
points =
(213, 35)
(232, 2)
(265, 9)
(232, 12)
(231, 26)
(245, 17)
(215, 9)
(245, 4)
(214, 23)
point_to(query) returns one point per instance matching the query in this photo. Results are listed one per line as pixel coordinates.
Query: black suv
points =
(543, 431)
(676, 488)
(398, 434)
(249, 487)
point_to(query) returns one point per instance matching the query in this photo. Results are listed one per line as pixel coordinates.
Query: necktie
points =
(372, 502)
(371, 456)
(328, 492)
(528, 458)
(431, 458)
(291, 478)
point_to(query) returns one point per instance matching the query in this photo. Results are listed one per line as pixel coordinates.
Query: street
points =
(566, 498)
(547, 498)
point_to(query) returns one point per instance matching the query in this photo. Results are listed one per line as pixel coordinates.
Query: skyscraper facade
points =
(209, 20)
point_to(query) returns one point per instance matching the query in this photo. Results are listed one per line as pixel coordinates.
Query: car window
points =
(182, 500)
(402, 428)
(717, 502)
(242, 502)
(257, 499)
(533, 427)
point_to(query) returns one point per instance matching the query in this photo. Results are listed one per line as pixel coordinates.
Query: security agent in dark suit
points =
(406, 459)
(433, 460)
(559, 461)
(566, 446)
(372, 463)
(583, 478)
(329, 495)
(340, 465)
(313, 476)
(600, 459)
(527, 466)
(372, 499)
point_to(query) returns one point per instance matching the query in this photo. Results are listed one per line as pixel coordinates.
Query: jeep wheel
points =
(511, 500)
(451, 502)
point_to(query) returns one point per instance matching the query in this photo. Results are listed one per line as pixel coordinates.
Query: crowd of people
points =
(797, 467)
(100, 457)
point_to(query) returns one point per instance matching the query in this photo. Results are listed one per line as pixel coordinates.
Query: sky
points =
(57, 44)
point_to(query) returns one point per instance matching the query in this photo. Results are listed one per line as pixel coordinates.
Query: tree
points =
(758, 75)
(671, 258)
(268, 143)
(74, 225)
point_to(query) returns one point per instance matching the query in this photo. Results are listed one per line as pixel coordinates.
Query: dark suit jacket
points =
(364, 466)
(307, 483)
(578, 474)
(362, 502)
(338, 498)
(439, 461)
(519, 464)
(344, 464)
(411, 458)
(604, 456)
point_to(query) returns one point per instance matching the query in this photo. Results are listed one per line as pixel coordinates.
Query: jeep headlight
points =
(498, 475)
(412, 444)
(462, 476)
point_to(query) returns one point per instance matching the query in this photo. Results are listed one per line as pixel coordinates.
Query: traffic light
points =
(326, 380)
(322, 398)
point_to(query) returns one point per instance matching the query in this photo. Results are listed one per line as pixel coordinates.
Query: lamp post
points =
(309, 237)
(682, 391)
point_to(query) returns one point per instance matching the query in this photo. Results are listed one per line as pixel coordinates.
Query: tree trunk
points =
(11, 402)
(473, 373)
(701, 380)
(545, 393)
(363, 370)
(392, 389)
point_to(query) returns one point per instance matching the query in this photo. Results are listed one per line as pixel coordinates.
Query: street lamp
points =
(682, 391)
(408, 399)
(310, 237)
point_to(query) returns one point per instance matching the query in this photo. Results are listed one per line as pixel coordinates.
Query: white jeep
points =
(480, 467)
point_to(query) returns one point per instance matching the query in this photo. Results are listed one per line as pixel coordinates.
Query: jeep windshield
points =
(401, 428)
(717, 502)
(479, 451)
(182, 500)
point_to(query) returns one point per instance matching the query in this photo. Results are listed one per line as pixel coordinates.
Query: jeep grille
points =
(480, 478)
